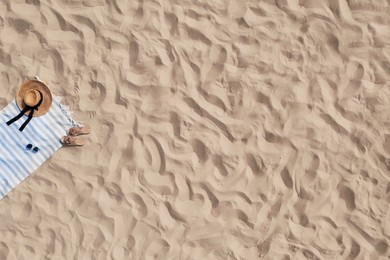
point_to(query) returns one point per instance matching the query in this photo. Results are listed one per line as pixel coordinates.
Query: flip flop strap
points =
(30, 115)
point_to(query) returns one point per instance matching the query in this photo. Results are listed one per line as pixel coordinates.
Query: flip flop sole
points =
(80, 131)
(74, 142)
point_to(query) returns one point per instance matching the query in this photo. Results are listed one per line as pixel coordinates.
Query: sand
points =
(221, 129)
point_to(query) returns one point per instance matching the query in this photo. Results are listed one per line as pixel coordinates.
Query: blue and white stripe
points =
(45, 132)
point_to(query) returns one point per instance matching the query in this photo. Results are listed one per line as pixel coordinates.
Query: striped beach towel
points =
(44, 132)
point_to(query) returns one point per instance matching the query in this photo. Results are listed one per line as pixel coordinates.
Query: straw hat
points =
(30, 93)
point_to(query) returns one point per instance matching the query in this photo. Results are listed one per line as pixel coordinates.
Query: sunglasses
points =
(30, 146)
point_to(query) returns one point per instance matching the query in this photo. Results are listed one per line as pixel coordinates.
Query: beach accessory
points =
(33, 98)
(29, 146)
(72, 141)
(42, 136)
(75, 131)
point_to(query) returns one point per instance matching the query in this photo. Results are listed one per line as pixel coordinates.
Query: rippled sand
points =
(222, 129)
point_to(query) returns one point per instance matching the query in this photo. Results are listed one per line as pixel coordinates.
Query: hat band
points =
(30, 115)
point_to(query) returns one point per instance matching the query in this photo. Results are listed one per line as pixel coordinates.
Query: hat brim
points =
(46, 95)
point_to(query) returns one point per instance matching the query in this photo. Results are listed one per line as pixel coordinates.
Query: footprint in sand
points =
(20, 25)
(172, 22)
(218, 162)
(386, 143)
(138, 205)
(113, 192)
(348, 196)
(174, 119)
(133, 53)
(156, 249)
(92, 94)
(156, 178)
(155, 153)
(286, 177)
(218, 67)
(200, 150)
(122, 248)
(255, 163)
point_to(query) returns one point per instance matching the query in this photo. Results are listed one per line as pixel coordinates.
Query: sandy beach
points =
(221, 129)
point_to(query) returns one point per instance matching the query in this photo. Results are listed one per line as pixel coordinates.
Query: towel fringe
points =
(67, 111)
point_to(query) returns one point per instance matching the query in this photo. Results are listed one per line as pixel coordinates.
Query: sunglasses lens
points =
(29, 146)
(36, 149)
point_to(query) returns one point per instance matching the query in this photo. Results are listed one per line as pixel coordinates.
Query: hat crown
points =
(40, 96)
(31, 97)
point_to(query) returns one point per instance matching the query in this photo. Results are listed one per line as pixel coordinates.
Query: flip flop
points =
(75, 131)
(72, 141)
